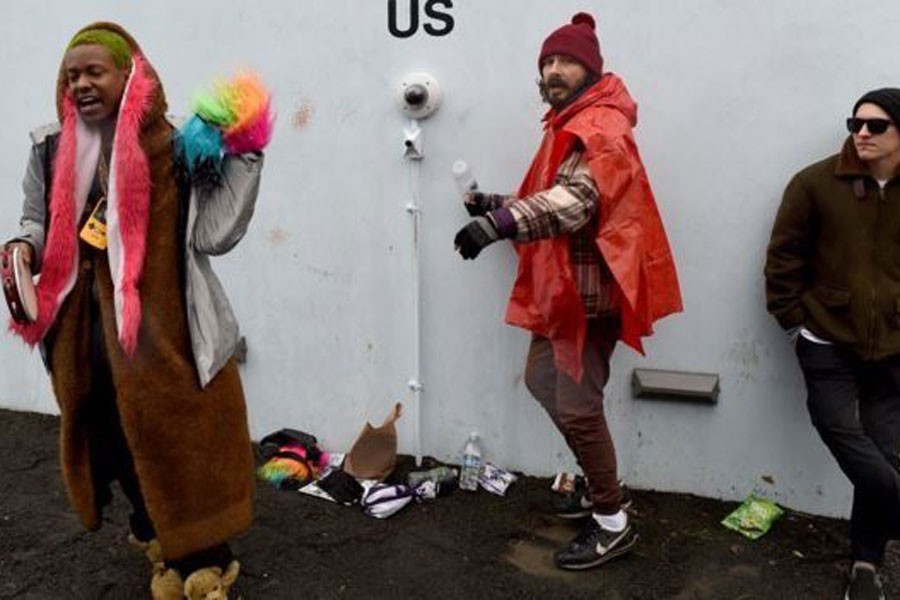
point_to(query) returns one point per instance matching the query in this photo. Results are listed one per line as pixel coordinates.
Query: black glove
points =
(478, 234)
(479, 204)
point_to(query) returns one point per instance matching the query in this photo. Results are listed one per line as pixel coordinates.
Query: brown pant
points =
(577, 409)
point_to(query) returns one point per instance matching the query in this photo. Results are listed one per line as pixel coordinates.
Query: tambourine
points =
(18, 286)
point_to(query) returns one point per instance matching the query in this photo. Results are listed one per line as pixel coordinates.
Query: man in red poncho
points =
(594, 267)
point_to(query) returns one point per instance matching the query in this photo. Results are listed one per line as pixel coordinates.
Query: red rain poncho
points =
(630, 235)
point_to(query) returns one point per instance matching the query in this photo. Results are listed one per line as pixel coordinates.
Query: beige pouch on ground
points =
(374, 453)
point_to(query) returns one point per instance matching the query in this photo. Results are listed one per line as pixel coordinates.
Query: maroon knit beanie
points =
(577, 40)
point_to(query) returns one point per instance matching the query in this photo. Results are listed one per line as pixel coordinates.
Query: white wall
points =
(734, 97)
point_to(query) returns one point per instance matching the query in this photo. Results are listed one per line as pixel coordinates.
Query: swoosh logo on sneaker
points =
(602, 550)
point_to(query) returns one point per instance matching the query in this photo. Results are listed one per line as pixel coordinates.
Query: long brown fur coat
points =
(190, 446)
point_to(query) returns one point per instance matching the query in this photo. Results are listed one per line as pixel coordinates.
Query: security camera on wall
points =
(420, 95)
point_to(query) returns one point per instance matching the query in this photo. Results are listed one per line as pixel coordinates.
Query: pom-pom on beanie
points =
(578, 40)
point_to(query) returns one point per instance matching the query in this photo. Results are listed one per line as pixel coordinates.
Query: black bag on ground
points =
(341, 486)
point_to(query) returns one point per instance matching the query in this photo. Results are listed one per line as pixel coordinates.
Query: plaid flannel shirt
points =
(571, 207)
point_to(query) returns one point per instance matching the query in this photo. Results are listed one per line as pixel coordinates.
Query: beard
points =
(561, 102)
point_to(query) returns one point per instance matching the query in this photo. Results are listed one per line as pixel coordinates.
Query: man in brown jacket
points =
(833, 280)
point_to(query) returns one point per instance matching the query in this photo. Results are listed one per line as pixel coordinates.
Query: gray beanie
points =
(888, 99)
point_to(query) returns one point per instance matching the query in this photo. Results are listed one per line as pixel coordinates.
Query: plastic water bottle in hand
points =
(465, 181)
(471, 464)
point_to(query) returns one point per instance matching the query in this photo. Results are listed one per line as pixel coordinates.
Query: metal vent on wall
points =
(675, 385)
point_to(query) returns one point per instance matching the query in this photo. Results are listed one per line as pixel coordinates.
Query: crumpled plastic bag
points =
(754, 517)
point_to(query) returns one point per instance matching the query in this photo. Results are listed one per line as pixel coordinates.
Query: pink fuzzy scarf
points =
(127, 213)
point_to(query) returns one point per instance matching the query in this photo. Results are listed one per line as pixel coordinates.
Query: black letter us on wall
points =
(440, 21)
(413, 19)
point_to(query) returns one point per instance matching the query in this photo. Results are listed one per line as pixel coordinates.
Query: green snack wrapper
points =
(754, 517)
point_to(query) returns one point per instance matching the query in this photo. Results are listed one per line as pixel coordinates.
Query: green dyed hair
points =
(113, 42)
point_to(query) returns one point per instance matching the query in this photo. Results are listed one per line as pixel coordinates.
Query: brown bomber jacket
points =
(833, 261)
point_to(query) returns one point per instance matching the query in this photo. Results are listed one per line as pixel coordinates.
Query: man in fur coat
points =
(133, 325)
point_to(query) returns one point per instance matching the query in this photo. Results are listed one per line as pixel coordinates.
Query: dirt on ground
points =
(465, 545)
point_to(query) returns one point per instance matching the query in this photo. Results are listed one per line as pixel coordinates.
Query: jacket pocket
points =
(835, 298)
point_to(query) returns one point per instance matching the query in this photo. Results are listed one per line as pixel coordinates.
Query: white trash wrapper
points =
(495, 480)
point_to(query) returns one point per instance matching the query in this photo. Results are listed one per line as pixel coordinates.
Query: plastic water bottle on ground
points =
(471, 464)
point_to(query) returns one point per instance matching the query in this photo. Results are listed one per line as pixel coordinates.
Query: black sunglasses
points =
(875, 126)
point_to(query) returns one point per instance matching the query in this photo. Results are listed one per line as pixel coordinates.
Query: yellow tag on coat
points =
(94, 231)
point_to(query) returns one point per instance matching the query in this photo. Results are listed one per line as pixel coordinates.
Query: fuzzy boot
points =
(166, 585)
(151, 550)
(210, 583)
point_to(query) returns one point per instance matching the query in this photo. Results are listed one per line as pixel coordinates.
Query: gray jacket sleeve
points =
(31, 225)
(223, 214)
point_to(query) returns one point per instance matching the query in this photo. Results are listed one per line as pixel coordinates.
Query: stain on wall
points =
(303, 114)
(277, 236)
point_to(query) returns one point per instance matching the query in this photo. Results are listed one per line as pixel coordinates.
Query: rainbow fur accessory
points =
(232, 117)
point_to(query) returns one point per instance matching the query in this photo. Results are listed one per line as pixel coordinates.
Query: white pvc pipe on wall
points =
(413, 158)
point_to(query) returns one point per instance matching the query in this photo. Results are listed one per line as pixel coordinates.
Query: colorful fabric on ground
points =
(293, 466)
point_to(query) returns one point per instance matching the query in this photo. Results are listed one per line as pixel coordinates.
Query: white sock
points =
(860, 564)
(617, 522)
